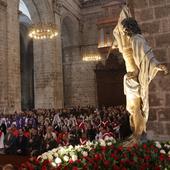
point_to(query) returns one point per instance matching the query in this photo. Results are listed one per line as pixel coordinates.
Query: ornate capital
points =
(3, 4)
(57, 5)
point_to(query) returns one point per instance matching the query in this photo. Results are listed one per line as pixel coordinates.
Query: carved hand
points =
(162, 67)
(131, 75)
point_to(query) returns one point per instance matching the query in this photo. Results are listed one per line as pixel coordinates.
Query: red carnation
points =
(43, 168)
(115, 167)
(157, 168)
(144, 146)
(155, 150)
(71, 161)
(124, 155)
(78, 161)
(161, 157)
(106, 163)
(124, 168)
(135, 146)
(85, 167)
(97, 156)
(128, 148)
(147, 158)
(75, 168)
(120, 148)
(103, 148)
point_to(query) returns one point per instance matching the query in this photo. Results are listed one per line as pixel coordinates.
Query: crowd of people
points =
(40, 130)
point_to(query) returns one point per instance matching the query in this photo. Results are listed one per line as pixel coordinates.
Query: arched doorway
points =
(109, 78)
(26, 58)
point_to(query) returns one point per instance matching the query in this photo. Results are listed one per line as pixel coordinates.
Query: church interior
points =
(56, 58)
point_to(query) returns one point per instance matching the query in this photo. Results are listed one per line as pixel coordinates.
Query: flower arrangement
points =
(105, 155)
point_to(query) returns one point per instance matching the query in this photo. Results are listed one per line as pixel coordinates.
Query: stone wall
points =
(154, 19)
(80, 84)
(78, 76)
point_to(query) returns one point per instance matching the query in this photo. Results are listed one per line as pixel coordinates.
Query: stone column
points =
(3, 57)
(48, 72)
(13, 57)
(10, 92)
(58, 58)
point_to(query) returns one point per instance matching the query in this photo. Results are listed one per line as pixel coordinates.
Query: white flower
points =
(57, 160)
(88, 143)
(50, 152)
(54, 150)
(53, 164)
(102, 142)
(70, 147)
(162, 151)
(72, 153)
(88, 147)
(66, 158)
(50, 157)
(62, 151)
(56, 154)
(85, 153)
(111, 138)
(77, 147)
(44, 156)
(158, 145)
(169, 153)
(106, 138)
(167, 146)
(74, 157)
(109, 143)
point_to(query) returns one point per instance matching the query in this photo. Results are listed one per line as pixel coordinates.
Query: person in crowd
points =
(9, 142)
(35, 141)
(50, 139)
(3, 127)
(21, 143)
(74, 123)
(1, 142)
(83, 138)
(9, 167)
(91, 132)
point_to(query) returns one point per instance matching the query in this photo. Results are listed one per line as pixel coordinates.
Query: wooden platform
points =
(12, 159)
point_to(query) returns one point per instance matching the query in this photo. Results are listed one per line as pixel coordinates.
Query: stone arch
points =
(70, 26)
(68, 38)
(37, 8)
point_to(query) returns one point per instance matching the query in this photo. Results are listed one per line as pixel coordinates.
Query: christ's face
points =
(125, 31)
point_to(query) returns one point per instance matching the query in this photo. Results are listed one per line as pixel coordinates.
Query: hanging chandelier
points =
(43, 31)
